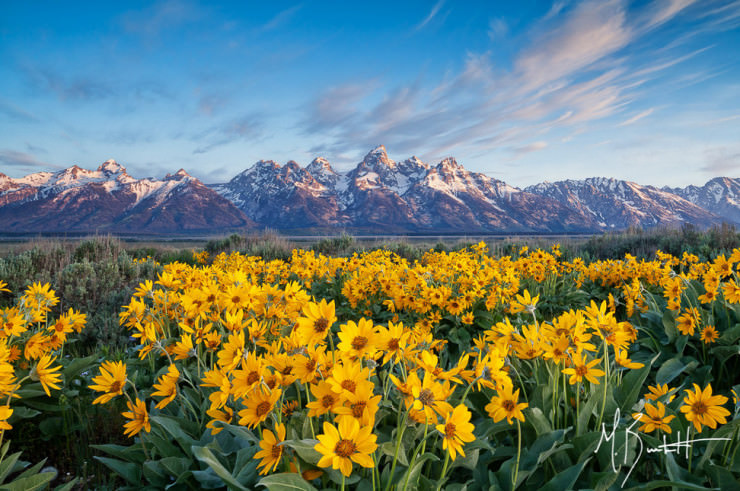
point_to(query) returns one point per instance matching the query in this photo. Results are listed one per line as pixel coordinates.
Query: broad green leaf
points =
(305, 450)
(389, 449)
(669, 370)
(30, 483)
(127, 470)
(134, 453)
(629, 391)
(8, 465)
(176, 465)
(565, 479)
(205, 455)
(537, 419)
(285, 482)
(722, 478)
(78, 365)
(413, 473)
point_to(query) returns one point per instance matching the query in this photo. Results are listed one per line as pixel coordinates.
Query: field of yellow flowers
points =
(459, 371)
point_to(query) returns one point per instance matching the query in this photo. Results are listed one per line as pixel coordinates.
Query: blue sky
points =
(524, 91)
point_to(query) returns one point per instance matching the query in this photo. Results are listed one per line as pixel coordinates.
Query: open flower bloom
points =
(46, 374)
(111, 381)
(506, 405)
(139, 417)
(581, 369)
(456, 431)
(167, 386)
(654, 419)
(349, 443)
(704, 409)
(272, 449)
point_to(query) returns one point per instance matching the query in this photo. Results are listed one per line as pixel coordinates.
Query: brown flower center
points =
(327, 401)
(115, 386)
(344, 448)
(310, 365)
(359, 342)
(262, 408)
(450, 430)
(253, 377)
(236, 299)
(320, 325)
(358, 408)
(393, 344)
(699, 407)
(426, 397)
(349, 385)
(581, 370)
(277, 451)
(508, 405)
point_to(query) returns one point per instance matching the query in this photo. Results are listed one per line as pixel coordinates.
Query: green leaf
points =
(537, 419)
(174, 431)
(23, 412)
(586, 413)
(30, 483)
(412, 474)
(305, 450)
(285, 482)
(389, 449)
(68, 486)
(669, 370)
(470, 461)
(133, 453)
(176, 465)
(127, 470)
(629, 391)
(205, 455)
(682, 485)
(78, 365)
(8, 465)
(565, 479)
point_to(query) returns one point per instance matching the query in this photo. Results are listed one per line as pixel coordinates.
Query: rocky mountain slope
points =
(110, 200)
(378, 195)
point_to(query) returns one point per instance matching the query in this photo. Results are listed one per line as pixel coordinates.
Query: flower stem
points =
(518, 453)
(444, 471)
(401, 429)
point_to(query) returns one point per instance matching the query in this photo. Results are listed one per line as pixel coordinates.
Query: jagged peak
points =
(378, 155)
(320, 166)
(380, 149)
(449, 163)
(111, 166)
(178, 176)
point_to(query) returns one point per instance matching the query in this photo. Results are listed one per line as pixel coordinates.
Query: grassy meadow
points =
(605, 362)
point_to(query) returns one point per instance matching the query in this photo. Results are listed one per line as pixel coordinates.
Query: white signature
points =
(666, 448)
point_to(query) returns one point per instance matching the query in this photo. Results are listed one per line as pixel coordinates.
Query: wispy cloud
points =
(497, 29)
(578, 68)
(64, 86)
(282, 18)
(532, 147)
(432, 14)
(637, 117)
(247, 128)
(22, 162)
(664, 10)
(162, 15)
(722, 160)
(15, 113)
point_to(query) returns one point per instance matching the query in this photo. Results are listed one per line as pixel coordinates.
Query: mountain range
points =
(378, 195)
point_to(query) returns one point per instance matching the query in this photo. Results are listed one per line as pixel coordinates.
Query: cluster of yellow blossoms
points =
(248, 333)
(30, 342)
